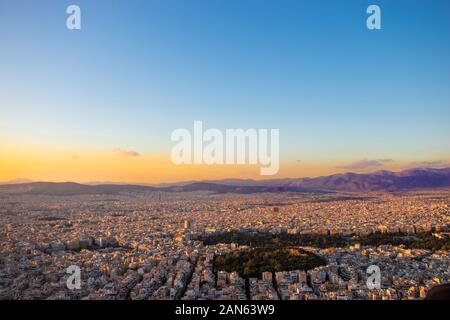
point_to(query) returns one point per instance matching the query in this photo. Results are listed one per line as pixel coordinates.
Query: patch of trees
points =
(424, 240)
(253, 262)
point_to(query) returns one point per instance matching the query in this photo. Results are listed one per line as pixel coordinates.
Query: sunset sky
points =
(100, 103)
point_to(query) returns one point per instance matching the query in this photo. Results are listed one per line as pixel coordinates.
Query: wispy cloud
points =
(126, 153)
(434, 163)
(365, 164)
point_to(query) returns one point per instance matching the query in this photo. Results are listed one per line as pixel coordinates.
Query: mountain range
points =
(381, 181)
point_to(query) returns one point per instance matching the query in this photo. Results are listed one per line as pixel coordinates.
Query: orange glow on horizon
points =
(39, 163)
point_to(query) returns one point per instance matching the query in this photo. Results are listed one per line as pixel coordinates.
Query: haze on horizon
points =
(100, 104)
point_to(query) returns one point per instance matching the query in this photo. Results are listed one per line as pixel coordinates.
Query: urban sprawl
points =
(148, 245)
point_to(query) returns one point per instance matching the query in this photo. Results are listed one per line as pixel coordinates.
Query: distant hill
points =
(382, 181)
(379, 181)
(70, 188)
(225, 188)
(16, 181)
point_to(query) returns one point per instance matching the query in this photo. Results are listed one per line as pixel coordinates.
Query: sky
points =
(100, 103)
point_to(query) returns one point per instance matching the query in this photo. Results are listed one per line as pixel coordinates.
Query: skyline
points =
(100, 103)
(359, 167)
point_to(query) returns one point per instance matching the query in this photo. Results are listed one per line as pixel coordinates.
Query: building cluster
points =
(144, 246)
(263, 289)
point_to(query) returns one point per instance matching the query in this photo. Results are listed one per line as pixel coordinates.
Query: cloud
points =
(75, 157)
(435, 163)
(126, 153)
(365, 163)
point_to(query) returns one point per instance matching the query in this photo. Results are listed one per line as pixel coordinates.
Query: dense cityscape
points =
(150, 245)
(190, 153)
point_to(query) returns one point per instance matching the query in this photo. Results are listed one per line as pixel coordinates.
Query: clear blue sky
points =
(139, 69)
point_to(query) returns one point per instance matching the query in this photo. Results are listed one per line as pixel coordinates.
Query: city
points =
(145, 245)
(254, 157)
